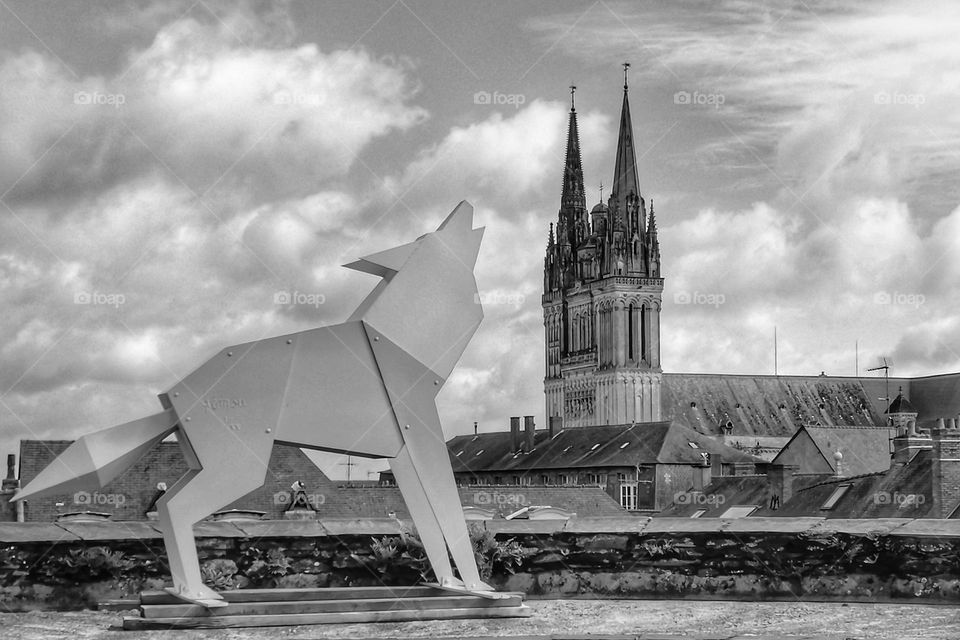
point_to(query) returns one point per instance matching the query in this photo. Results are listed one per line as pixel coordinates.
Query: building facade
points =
(601, 296)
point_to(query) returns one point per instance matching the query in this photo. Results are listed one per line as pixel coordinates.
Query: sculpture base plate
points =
(289, 607)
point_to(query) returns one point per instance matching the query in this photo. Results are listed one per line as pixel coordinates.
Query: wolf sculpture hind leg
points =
(200, 492)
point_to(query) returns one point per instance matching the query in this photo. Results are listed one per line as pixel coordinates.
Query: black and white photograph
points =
(533, 319)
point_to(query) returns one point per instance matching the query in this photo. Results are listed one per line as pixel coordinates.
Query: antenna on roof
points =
(886, 377)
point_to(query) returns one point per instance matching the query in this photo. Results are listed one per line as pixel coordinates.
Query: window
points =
(599, 479)
(693, 445)
(739, 511)
(621, 477)
(698, 513)
(525, 480)
(544, 479)
(516, 479)
(628, 496)
(563, 479)
(497, 479)
(835, 497)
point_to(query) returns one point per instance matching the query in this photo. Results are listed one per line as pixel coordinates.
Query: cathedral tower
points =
(601, 295)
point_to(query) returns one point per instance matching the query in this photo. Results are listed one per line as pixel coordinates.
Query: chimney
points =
(781, 478)
(908, 443)
(555, 425)
(8, 510)
(515, 433)
(474, 427)
(701, 477)
(530, 431)
(946, 467)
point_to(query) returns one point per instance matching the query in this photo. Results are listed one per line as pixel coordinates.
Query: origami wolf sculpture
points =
(366, 387)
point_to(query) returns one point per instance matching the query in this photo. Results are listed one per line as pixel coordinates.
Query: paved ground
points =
(563, 619)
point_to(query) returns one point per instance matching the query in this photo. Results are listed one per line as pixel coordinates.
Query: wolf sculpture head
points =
(427, 302)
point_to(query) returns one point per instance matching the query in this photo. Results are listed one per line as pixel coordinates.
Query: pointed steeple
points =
(573, 198)
(625, 181)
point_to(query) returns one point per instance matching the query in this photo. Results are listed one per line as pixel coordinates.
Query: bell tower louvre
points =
(601, 295)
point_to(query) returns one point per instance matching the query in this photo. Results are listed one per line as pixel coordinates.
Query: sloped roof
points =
(765, 405)
(903, 492)
(864, 449)
(586, 447)
(901, 405)
(730, 491)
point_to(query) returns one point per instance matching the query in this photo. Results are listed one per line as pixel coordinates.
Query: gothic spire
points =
(573, 198)
(625, 181)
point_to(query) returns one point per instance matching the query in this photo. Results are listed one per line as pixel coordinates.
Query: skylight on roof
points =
(478, 452)
(740, 511)
(624, 445)
(693, 445)
(594, 447)
(460, 453)
(698, 513)
(568, 448)
(834, 498)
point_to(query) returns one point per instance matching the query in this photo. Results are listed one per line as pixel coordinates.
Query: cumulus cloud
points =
(208, 110)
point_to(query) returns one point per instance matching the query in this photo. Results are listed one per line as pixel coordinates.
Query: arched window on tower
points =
(643, 333)
(630, 331)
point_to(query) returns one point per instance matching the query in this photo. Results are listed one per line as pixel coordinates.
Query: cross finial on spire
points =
(573, 90)
(601, 192)
(626, 65)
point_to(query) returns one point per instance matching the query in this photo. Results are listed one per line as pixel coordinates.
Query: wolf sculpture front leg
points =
(424, 463)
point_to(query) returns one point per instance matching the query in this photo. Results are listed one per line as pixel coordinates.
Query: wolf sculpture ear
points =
(460, 219)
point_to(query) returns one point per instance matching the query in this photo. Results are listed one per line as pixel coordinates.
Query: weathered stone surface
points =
(604, 542)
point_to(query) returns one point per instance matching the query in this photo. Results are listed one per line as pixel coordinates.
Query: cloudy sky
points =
(167, 168)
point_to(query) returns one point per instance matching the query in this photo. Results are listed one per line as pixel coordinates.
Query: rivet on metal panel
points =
(229, 353)
(268, 430)
(406, 426)
(289, 341)
(376, 338)
(187, 418)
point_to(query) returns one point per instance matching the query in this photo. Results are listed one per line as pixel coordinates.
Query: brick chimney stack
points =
(8, 510)
(555, 425)
(946, 467)
(515, 433)
(781, 481)
(530, 433)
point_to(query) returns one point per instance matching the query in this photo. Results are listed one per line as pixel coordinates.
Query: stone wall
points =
(69, 565)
